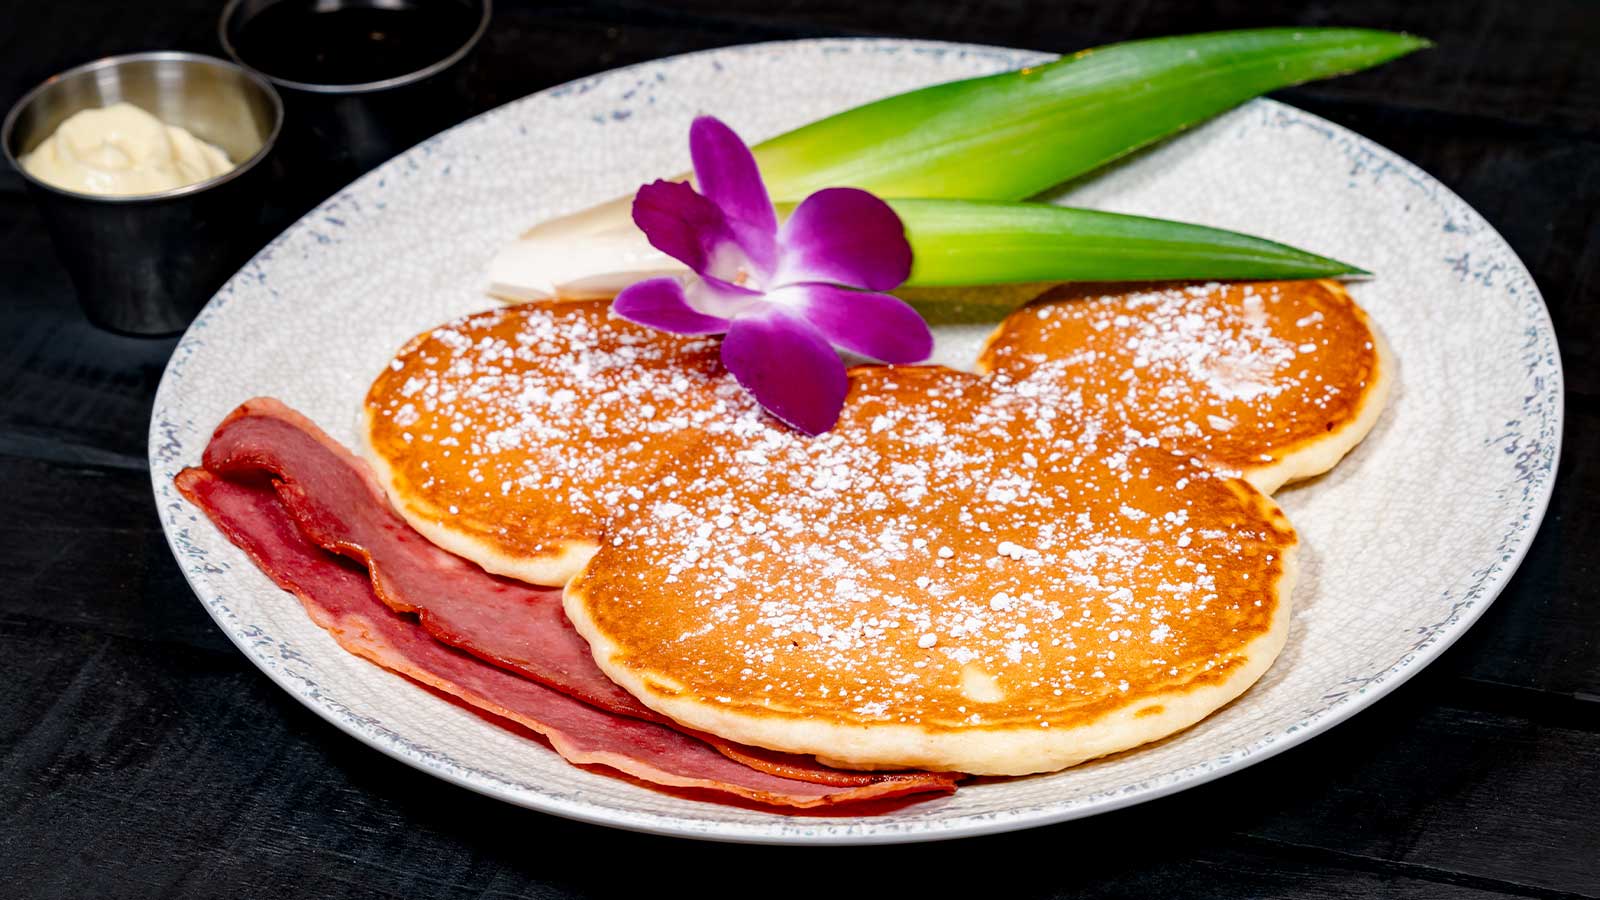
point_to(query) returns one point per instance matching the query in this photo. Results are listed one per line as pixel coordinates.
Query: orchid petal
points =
(845, 236)
(661, 303)
(681, 223)
(726, 172)
(880, 326)
(790, 368)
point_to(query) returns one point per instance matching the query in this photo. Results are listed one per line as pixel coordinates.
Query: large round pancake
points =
(1276, 381)
(512, 436)
(966, 574)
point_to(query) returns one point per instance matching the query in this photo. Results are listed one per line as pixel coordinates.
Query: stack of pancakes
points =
(1067, 553)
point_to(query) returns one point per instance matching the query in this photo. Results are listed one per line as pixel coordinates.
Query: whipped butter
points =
(121, 150)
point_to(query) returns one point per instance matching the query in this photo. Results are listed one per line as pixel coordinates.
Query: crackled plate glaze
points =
(1404, 544)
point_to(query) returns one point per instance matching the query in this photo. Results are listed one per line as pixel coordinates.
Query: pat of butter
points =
(120, 151)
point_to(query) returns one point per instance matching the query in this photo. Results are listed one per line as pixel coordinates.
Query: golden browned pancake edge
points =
(555, 563)
(1315, 456)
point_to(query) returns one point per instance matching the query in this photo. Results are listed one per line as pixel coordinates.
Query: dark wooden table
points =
(144, 756)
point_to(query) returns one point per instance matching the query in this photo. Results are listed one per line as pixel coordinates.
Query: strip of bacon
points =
(337, 502)
(341, 600)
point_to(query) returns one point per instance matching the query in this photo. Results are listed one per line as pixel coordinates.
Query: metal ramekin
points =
(146, 263)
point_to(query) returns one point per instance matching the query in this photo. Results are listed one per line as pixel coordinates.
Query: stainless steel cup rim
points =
(109, 62)
(365, 86)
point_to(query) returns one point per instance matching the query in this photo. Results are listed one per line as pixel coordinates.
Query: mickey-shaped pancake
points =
(999, 574)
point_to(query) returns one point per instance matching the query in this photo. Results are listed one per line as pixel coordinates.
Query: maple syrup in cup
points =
(362, 80)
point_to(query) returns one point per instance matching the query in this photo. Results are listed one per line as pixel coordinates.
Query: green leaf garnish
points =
(1012, 135)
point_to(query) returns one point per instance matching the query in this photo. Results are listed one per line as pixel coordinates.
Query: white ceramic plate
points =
(1405, 543)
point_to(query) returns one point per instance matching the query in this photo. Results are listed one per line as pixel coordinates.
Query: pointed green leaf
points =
(965, 242)
(1012, 135)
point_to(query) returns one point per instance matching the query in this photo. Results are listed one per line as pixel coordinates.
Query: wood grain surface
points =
(142, 756)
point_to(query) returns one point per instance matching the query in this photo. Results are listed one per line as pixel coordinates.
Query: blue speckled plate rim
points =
(1537, 460)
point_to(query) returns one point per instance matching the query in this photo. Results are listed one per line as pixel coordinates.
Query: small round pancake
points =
(1275, 381)
(511, 437)
(966, 574)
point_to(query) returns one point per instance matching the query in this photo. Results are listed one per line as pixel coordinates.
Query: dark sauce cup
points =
(361, 80)
(145, 264)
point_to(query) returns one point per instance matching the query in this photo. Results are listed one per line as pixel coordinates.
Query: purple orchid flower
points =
(786, 296)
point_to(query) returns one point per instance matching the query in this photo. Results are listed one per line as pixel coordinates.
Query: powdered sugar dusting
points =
(927, 572)
(961, 550)
(1239, 373)
(534, 424)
